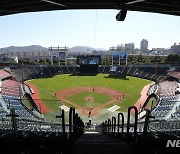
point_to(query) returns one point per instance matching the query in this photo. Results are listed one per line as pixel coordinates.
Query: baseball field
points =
(92, 95)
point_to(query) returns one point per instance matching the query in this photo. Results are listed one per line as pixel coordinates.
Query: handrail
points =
(108, 125)
(81, 126)
(13, 116)
(71, 120)
(75, 122)
(104, 127)
(122, 123)
(113, 125)
(135, 122)
(145, 131)
(146, 123)
(63, 122)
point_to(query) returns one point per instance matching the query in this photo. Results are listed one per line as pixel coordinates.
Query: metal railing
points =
(122, 123)
(72, 130)
(113, 126)
(135, 121)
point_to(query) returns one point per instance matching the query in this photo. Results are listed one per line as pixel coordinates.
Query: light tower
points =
(59, 54)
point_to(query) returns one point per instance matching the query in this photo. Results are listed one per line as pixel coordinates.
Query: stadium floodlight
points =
(121, 15)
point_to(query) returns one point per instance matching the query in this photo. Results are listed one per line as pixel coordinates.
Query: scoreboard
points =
(89, 64)
(89, 60)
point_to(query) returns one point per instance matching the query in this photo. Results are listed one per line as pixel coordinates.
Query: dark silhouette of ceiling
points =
(8, 7)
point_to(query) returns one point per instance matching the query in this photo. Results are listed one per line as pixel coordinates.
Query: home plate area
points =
(113, 108)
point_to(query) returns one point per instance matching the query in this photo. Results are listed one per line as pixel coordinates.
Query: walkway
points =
(97, 143)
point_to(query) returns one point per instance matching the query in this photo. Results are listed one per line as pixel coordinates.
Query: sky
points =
(94, 28)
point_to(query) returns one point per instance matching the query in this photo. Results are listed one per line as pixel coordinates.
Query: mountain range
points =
(40, 48)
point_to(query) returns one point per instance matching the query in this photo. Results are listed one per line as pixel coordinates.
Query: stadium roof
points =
(8, 7)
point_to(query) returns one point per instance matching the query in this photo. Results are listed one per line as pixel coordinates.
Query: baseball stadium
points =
(89, 107)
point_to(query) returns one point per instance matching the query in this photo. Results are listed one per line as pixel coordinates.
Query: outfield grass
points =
(47, 86)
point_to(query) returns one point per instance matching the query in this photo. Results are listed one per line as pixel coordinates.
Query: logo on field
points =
(173, 143)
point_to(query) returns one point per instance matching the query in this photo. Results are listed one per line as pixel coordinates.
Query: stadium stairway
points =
(97, 143)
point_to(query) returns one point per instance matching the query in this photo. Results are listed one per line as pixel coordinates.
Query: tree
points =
(156, 59)
(140, 58)
(173, 58)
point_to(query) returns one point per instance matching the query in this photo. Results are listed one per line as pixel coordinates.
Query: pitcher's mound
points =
(89, 98)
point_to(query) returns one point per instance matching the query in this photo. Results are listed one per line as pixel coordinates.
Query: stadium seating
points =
(35, 136)
(11, 88)
(4, 74)
(153, 89)
(141, 134)
(167, 88)
(41, 137)
(176, 114)
(15, 103)
(167, 99)
(141, 71)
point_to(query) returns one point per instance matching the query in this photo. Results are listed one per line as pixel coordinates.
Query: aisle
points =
(96, 143)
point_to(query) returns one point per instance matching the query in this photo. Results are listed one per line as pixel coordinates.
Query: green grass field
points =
(47, 86)
(99, 99)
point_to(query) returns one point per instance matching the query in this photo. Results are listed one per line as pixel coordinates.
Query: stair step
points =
(99, 143)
